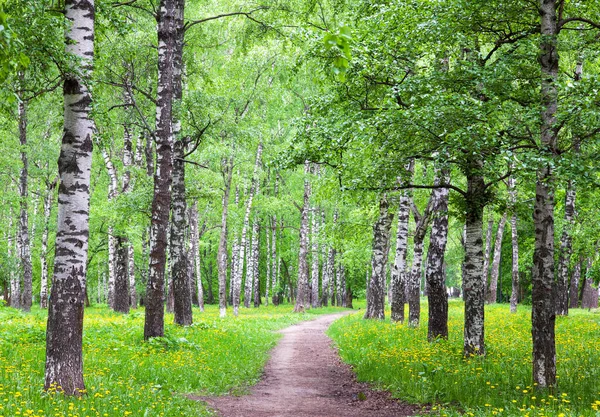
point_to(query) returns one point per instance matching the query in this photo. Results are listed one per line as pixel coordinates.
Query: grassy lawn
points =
(400, 359)
(125, 375)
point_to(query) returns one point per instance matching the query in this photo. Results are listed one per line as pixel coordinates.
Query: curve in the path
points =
(305, 378)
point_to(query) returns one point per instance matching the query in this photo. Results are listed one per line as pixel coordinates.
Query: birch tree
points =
(381, 241)
(64, 362)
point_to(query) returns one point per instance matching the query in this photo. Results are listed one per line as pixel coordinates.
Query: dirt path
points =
(305, 378)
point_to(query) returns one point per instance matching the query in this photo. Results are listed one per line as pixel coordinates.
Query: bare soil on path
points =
(305, 378)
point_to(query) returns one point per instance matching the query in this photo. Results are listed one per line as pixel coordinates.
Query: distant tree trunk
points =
(121, 296)
(589, 298)
(574, 289)
(25, 253)
(154, 324)
(488, 251)
(566, 249)
(543, 306)
(274, 262)
(315, 301)
(435, 271)
(44, 258)
(473, 273)
(302, 295)
(342, 287)
(381, 241)
(256, 257)
(126, 188)
(112, 254)
(495, 272)
(132, 289)
(222, 255)
(237, 282)
(514, 296)
(64, 363)
(15, 280)
(268, 258)
(399, 272)
(195, 253)
(249, 269)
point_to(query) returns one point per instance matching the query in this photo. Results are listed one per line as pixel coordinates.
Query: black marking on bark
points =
(71, 86)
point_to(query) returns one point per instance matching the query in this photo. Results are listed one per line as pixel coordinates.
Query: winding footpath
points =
(305, 378)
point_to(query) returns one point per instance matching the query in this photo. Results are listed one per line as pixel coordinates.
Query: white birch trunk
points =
(237, 282)
(315, 302)
(381, 241)
(514, 295)
(302, 288)
(495, 272)
(64, 362)
(44, 256)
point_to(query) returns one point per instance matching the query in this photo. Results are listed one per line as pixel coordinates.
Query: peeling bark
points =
(64, 362)
(381, 242)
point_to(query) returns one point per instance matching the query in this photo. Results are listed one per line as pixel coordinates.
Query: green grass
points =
(125, 375)
(399, 359)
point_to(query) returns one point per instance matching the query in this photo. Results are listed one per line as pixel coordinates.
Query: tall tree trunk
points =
(414, 279)
(399, 273)
(44, 258)
(195, 253)
(543, 306)
(269, 260)
(302, 289)
(488, 251)
(237, 282)
(15, 279)
(181, 285)
(435, 271)
(315, 302)
(514, 296)
(249, 269)
(574, 289)
(495, 272)
(112, 254)
(564, 257)
(132, 289)
(589, 297)
(121, 300)
(127, 186)
(64, 363)
(381, 241)
(25, 253)
(154, 324)
(255, 259)
(222, 255)
(473, 273)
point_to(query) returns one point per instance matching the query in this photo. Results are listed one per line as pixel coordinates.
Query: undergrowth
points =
(126, 376)
(398, 358)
